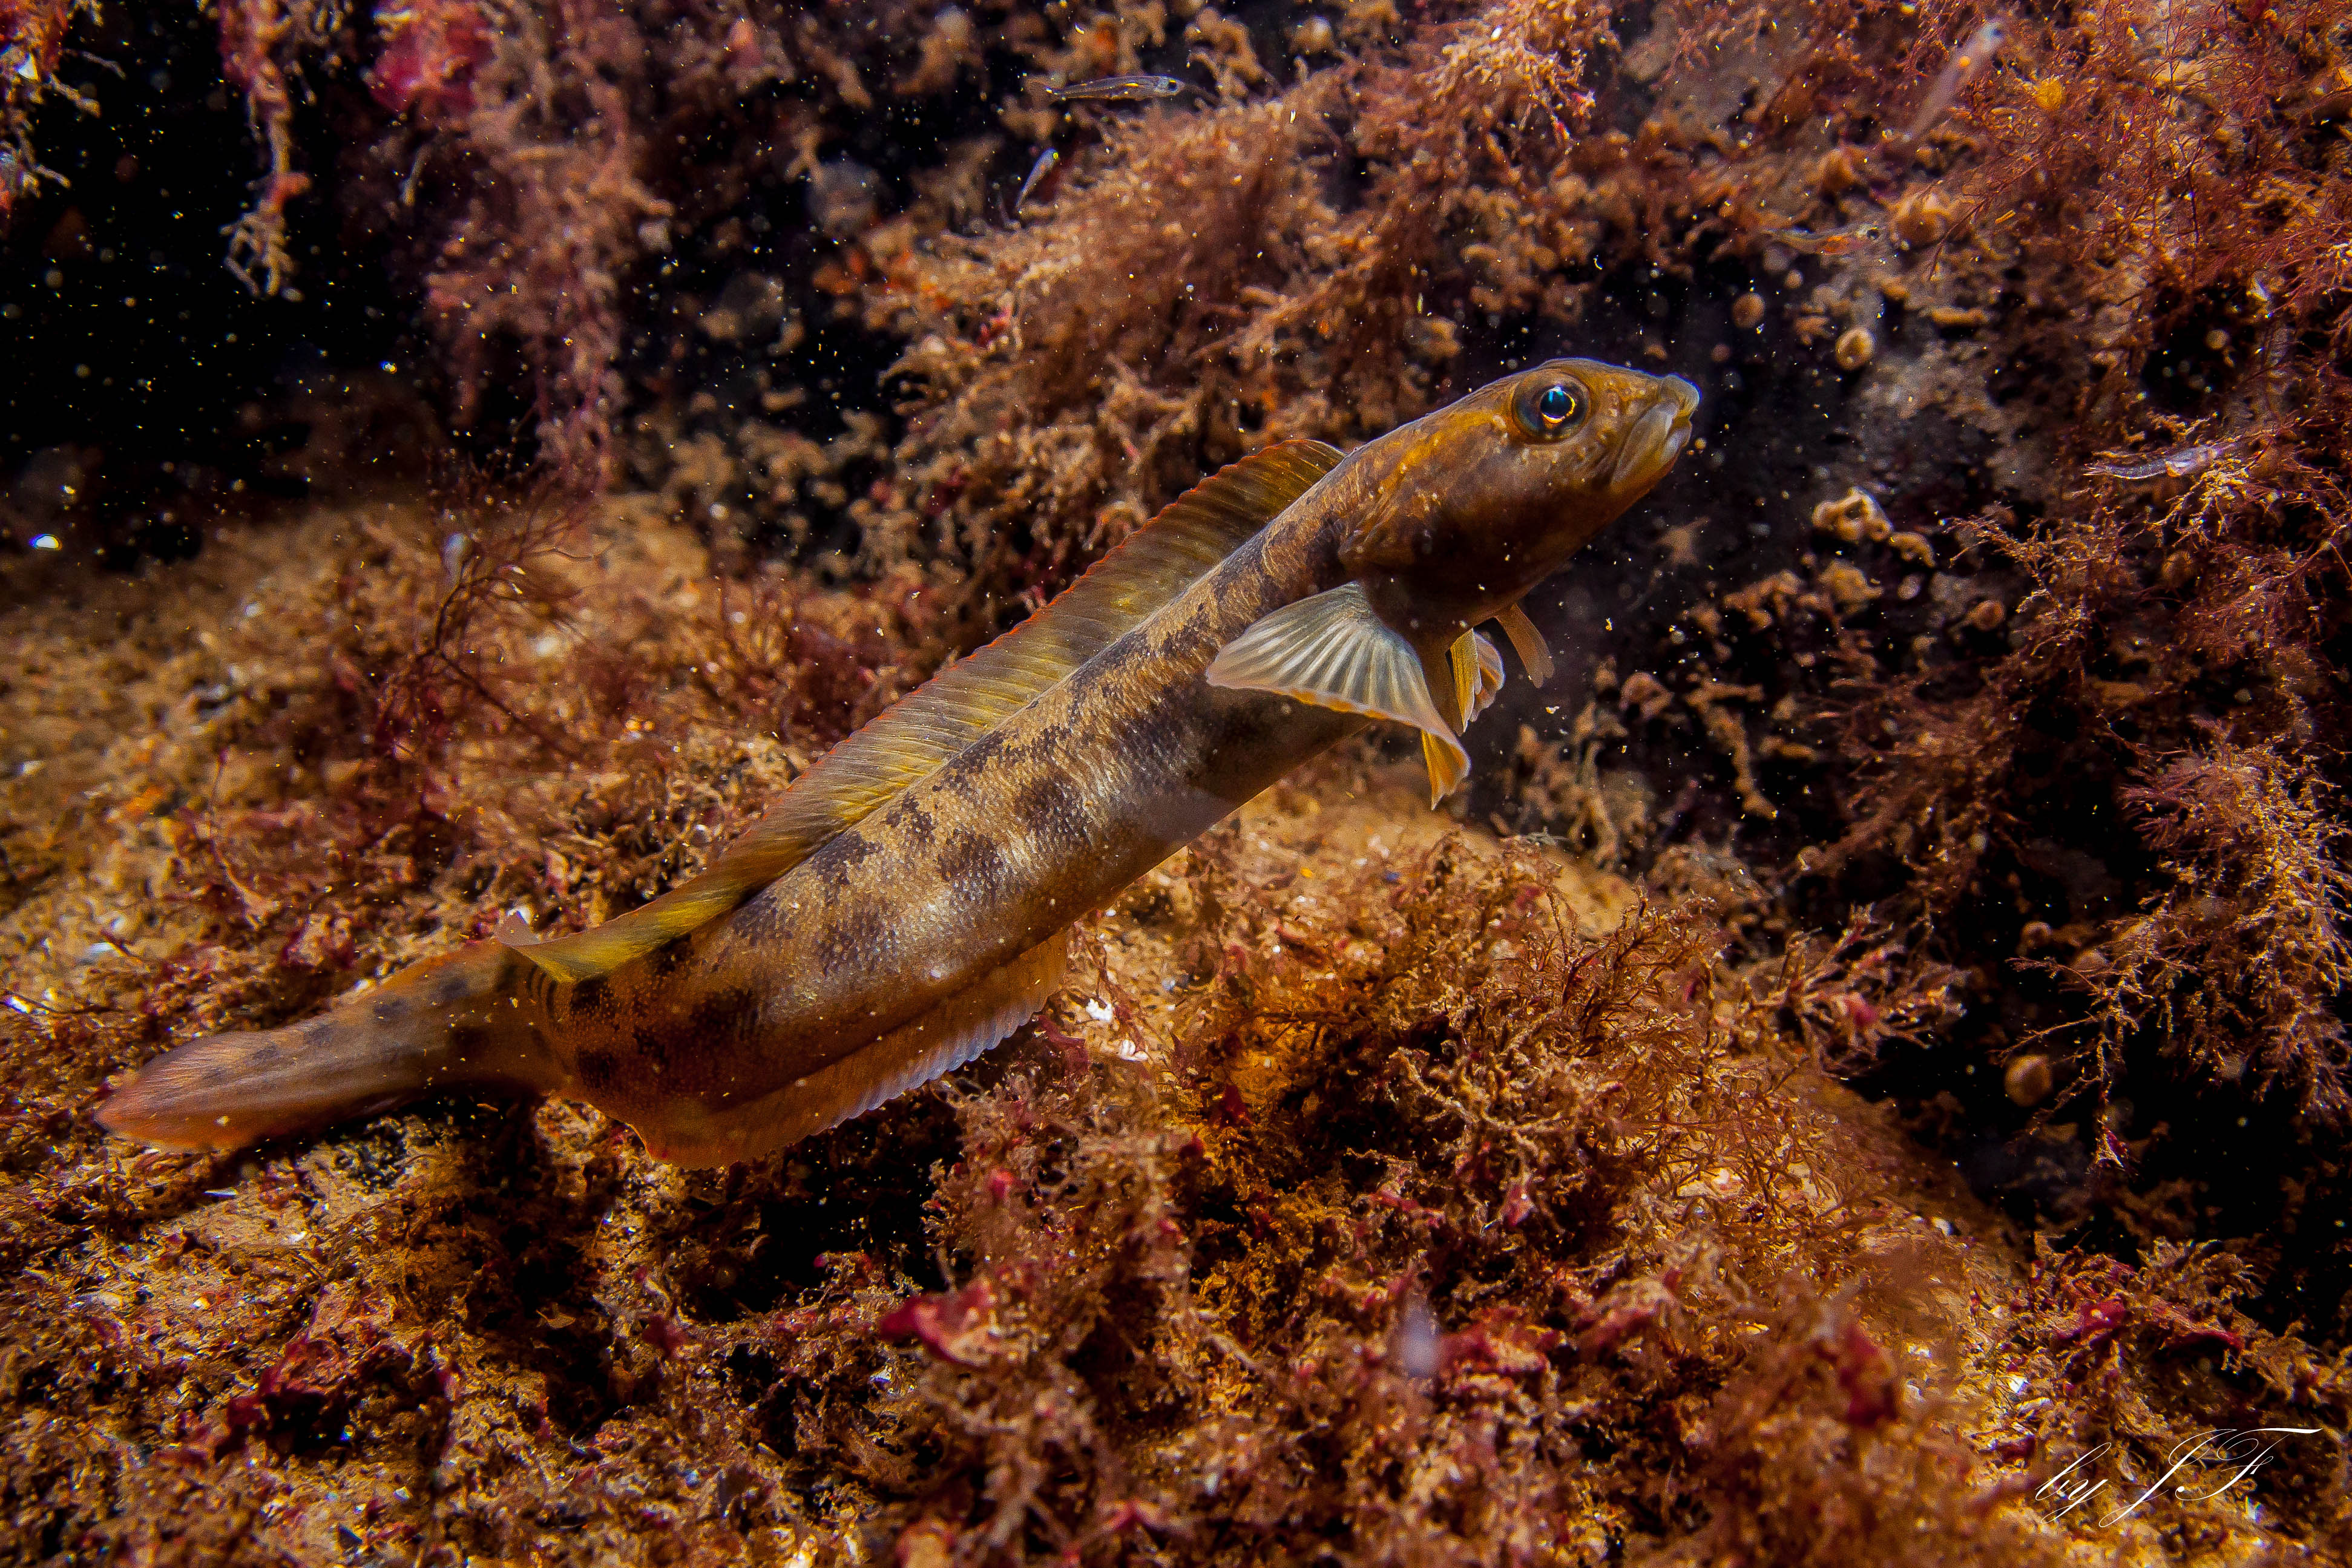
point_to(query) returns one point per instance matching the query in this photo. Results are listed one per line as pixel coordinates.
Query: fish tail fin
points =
(465, 1018)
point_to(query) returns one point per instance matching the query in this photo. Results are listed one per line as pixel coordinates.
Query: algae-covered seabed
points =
(1385, 1188)
(1376, 1186)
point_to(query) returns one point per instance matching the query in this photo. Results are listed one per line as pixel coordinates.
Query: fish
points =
(2174, 462)
(905, 904)
(1121, 90)
(1976, 52)
(1830, 242)
(1037, 172)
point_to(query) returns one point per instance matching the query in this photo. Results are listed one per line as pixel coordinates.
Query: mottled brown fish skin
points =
(1076, 796)
(1072, 798)
(762, 1025)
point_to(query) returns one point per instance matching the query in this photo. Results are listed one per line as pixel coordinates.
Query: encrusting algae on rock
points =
(905, 907)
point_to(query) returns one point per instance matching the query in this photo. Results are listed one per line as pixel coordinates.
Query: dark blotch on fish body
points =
(598, 1069)
(1049, 802)
(590, 996)
(972, 863)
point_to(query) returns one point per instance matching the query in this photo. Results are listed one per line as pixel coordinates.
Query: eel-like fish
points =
(904, 905)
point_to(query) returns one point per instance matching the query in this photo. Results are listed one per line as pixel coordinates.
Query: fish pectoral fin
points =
(974, 1020)
(1334, 650)
(1527, 643)
(1448, 765)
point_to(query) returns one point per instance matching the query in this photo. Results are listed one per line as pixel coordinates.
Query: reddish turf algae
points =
(1382, 1189)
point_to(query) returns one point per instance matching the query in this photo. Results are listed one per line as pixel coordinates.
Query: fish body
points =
(1968, 62)
(1121, 90)
(1831, 242)
(1037, 172)
(2173, 463)
(904, 906)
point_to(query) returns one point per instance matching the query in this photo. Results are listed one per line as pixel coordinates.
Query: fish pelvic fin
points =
(464, 1018)
(965, 1026)
(1334, 650)
(1477, 671)
(1473, 678)
(1527, 643)
(1490, 675)
(907, 743)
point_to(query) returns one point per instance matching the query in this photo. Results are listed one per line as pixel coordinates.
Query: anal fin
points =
(965, 1026)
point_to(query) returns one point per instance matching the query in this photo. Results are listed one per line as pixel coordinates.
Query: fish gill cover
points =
(1866, 1064)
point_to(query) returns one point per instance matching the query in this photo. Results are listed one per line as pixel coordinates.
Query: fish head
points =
(1471, 505)
(1983, 44)
(1846, 241)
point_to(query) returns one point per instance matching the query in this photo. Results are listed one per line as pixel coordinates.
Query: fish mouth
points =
(1657, 438)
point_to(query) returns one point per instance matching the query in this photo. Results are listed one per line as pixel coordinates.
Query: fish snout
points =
(1657, 438)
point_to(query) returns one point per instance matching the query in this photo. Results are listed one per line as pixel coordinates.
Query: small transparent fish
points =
(1831, 242)
(1037, 172)
(1122, 89)
(1416, 1344)
(2174, 462)
(1968, 62)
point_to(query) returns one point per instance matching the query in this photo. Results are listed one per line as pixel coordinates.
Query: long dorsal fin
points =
(965, 701)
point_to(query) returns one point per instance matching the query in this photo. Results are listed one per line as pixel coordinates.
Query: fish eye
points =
(1552, 409)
